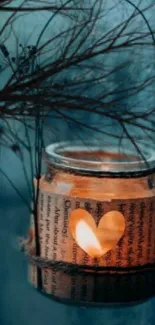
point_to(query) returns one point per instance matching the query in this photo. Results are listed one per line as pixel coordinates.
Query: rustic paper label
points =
(136, 247)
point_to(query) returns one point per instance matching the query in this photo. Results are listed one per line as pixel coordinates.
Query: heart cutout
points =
(96, 241)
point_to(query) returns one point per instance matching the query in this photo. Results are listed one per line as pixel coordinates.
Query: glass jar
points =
(114, 194)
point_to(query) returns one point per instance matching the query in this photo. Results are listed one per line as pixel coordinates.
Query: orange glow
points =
(96, 240)
(86, 239)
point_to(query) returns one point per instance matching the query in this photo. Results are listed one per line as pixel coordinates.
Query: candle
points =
(90, 217)
(96, 241)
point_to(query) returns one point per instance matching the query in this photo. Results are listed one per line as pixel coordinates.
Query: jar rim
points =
(76, 158)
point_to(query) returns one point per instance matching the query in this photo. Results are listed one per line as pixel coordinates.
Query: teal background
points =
(19, 303)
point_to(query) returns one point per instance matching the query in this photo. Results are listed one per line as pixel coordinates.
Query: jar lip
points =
(114, 162)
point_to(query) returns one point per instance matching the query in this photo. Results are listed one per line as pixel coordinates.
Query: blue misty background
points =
(19, 303)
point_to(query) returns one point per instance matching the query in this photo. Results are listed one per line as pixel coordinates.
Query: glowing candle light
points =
(96, 241)
(87, 240)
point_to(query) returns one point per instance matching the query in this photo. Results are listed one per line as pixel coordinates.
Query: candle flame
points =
(87, 240)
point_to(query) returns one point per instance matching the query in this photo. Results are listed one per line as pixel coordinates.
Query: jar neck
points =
(104, 161)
